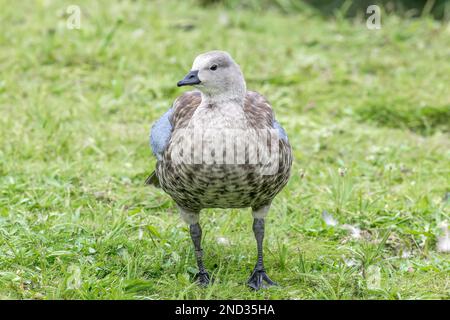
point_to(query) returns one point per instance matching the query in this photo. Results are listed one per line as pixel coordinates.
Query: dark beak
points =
(190, 79)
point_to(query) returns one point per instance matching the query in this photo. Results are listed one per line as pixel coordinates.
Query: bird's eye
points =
(213, 67)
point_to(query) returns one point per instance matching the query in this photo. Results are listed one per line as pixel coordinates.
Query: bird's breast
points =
(217, 160)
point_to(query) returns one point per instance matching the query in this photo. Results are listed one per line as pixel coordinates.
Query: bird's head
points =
(217, 76)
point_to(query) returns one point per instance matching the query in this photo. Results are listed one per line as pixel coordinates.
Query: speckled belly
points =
(223, 184)
(197, 186)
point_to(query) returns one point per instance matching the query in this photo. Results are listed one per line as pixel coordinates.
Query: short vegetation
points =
(366, 111)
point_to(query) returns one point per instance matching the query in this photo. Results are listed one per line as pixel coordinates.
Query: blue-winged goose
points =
(220, 147)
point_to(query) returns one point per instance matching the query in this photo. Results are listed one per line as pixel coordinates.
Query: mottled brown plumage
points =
(195, 186)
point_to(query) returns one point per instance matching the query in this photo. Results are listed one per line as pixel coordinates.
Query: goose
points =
(219, 146)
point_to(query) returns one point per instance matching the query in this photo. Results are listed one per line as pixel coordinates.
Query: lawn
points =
(367, 113)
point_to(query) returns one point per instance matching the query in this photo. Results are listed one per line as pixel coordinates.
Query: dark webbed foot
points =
(259, 279)
(202, 279)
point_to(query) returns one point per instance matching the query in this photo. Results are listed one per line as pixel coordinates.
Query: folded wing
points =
(160, 134)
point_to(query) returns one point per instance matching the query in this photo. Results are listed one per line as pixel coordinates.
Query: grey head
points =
(217, 76)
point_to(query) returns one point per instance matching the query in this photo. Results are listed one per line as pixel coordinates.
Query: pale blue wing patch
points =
(160, 134)
(281, 131)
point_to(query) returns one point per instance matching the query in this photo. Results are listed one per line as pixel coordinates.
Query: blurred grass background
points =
(439, 9)
(367, 113)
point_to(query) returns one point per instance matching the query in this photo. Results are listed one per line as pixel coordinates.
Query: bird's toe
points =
(260, 280)
(203, 279)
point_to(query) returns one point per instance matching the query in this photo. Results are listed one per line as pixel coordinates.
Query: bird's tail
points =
(153, 180)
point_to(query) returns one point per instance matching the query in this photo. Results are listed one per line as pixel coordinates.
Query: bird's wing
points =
(260, 113)
(177, 116)
(281, 132)
(184, 107)
(160, 134)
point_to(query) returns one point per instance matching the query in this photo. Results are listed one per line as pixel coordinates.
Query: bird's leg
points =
(196, 235)
(259, 279)
(192, 218)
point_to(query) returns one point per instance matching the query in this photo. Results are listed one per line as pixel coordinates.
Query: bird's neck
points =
(219, 113)
(234, 93)
(222, 99)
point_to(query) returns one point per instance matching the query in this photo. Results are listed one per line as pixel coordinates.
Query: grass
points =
(367, 113)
